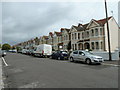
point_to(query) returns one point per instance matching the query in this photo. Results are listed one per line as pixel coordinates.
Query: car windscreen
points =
(63, 52)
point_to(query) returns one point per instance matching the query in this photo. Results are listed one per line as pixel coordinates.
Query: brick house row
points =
(92, 35)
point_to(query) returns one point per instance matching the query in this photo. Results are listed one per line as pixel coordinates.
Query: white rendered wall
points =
(105, 55)
(113, 29)
(119, 24)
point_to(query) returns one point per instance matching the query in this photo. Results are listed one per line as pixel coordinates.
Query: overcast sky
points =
(22, 21)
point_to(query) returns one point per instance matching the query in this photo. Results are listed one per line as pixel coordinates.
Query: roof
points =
(82, 27)
(51, 34)
(65, 29)
(102, 21)
(45, 37)
(58, 33)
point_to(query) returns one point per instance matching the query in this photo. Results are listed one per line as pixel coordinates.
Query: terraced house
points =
(66, 38)
(57, 40)
(92, 35)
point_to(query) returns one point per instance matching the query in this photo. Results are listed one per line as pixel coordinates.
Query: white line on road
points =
(4, 61)
(111, 65)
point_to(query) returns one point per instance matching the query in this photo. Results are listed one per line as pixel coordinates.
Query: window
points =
(75, 35)
(75, 46)
(87, 34)
(66, 37)
(96, 32)
(101, 45)
(81, 53)
(75, 52)
(92, 31)
(78, 35)
(101, 31)
(82, 34)
(92, 44)
(97, 45)
(72, 36)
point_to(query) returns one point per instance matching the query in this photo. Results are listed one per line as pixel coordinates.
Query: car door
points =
(75, 55)
(81, 56)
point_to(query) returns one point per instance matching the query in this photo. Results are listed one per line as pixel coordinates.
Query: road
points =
(31, 72)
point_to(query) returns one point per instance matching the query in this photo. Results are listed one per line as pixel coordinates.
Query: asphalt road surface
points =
(32, 72)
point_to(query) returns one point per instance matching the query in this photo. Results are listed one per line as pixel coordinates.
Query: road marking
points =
(4, 62)
(111, 65)
(30, 85)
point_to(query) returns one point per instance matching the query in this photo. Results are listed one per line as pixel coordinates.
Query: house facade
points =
(65, 38)
(92, 36)
(50, 39)
(57, 40)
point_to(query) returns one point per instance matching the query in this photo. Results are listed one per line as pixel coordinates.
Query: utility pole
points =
(110, 58)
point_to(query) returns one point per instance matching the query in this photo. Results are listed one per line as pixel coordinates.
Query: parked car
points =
(24, 51)
(2, 53)
(30, 52)
(59, 55)
(85, 56)
(13, 51)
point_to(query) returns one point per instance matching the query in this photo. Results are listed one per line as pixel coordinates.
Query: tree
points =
(19, 49)
(6, 47)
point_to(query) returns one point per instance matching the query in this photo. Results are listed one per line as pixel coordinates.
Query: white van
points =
(43, 50)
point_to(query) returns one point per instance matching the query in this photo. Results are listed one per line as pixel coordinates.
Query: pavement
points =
(1, 81)
(114, 62)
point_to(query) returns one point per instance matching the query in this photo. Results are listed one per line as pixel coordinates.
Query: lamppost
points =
(108, 34)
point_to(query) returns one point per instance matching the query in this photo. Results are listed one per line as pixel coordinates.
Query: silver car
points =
(85, 56)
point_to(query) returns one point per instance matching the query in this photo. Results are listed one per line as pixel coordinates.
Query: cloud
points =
(22, 21)
(25, 20)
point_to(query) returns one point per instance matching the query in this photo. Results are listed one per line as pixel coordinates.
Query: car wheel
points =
(58, 58)
(71, 59)
(88, 61)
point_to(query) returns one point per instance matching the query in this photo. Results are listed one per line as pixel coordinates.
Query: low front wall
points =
(105, 55)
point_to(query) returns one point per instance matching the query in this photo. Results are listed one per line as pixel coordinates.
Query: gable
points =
(64, 32)
(72, 29)
(54, 35)
(93, 24)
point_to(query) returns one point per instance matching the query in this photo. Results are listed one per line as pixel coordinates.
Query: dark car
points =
(60, 55)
